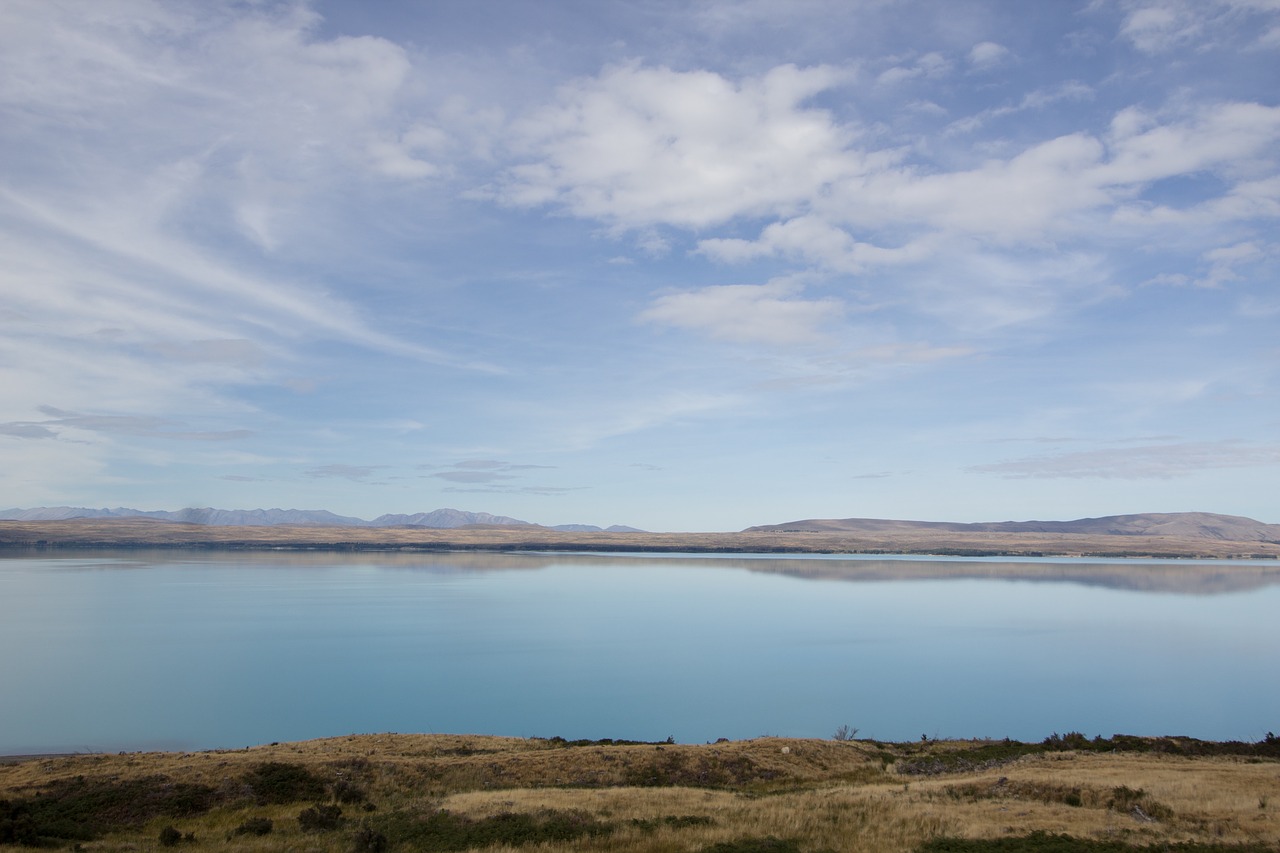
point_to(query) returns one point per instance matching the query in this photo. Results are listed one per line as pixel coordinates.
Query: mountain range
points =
(1193, 525)
(440, 518)
(1186, 525)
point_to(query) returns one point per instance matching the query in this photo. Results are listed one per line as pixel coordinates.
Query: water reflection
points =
(1183, 577)
(117, 651)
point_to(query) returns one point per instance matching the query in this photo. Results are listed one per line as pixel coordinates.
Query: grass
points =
(768, 795)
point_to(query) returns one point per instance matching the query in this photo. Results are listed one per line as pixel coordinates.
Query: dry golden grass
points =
(823, 795)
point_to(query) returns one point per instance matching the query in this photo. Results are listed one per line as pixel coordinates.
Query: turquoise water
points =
(185, 651)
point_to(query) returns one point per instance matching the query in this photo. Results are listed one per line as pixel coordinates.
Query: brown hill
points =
(902, 537)
(402, 792)
(1184, 525)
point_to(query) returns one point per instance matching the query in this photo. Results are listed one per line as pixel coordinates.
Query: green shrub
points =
(17, 826)
(277, 782)
(673, 821)
(81, 810)
(367, 840)
(254, 826)
(446, 831)
(348, 793)
(171, 837)
(320, 818)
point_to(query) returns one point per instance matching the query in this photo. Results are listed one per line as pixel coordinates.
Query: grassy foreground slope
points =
(768, 795)
(151, 533)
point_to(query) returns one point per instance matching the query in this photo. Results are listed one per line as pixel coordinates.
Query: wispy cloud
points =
(492, 476)
(1170, 25)
(59, 422)
(1159, 461)
(773, 313)
(354, 473)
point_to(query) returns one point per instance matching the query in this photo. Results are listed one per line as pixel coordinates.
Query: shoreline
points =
(138, 534)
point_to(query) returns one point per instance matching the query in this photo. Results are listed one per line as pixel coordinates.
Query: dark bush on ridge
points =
(254, 826)
(768, 844)
(1042, 842)
(17, 826)
(277, 782)
(368, 840)
(445, 831)
(81, 810)
(320, 818)
(348, 793)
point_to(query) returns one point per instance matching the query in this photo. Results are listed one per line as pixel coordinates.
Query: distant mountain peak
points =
(445, 518)
(439, 518)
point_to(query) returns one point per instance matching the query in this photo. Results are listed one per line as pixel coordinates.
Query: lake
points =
(192, 650)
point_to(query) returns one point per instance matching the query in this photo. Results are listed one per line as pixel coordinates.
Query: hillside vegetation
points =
(768, 795)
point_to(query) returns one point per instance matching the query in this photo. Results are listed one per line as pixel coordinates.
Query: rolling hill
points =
(1184, 525)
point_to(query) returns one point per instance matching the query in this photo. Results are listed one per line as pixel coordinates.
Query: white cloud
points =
(1168, 25)
(987, 54)
(1163, 27)
(638, 146)
(1063, 185)
(928, 66)
(1237, 137)
(812, 240)
(748, 313)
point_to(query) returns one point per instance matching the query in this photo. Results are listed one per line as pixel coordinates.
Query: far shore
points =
(152, 534)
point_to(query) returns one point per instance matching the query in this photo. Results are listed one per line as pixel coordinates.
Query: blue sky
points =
(678, 265)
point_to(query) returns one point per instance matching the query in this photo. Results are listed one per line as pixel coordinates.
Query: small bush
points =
(844, 734)
(1138, 803)
(348, 793)
(768, 844)
(277, 782)
(673, 821)
(444, 831)
(254, 826)
(169, 837)
(320, 818)
(367, 840)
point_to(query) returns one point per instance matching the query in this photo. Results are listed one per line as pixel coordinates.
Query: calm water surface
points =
(184, 650)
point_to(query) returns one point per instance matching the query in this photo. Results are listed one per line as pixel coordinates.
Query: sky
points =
(682, 266)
